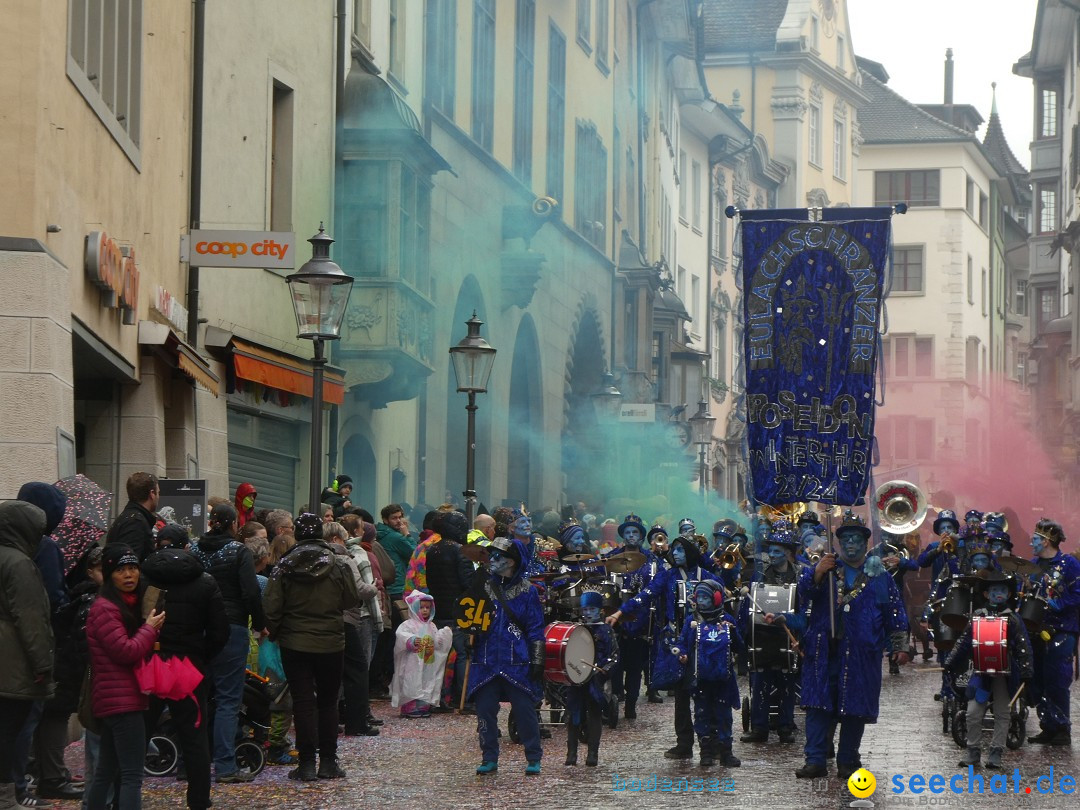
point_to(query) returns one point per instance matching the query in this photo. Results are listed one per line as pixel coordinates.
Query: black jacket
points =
(72, 651)
(195, 615)
(231, 564)
(134, 527)
(448, 575)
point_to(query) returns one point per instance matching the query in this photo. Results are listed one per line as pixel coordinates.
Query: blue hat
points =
(783, 536)
(655, 530)
(852, 523)
(994, 520)
(998, 535)
(714, 589)
(946, 515)
(725, 527)
(592, 599)
(632, 520)
(973, 514)
(687, 521)
(519, 511)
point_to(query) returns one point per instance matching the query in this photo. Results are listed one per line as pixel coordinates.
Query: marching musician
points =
(945, 566)
(980, 558)
(574, 544)
(898, 564)
(1055, 646)
(811, 536)
(521, 530)
(667, 671)
(508, 656)
(781, 570)
(707, 647)
(633, 633)
(841, 679)
(687, 528)
(724, 532)
(586, 702)
(1000, 542)
(657, 538)
(998, 590)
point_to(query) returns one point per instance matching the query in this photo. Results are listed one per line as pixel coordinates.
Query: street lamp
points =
(701, 427)
(473, 358)
(320, 290)
(607, 402)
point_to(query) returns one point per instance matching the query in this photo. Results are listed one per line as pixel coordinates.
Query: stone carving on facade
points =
(840, 109)
(790, 105)
(741, 183)
(856, 138)
(816, 93)
(365, 316)
(759, 200)
(817, 198)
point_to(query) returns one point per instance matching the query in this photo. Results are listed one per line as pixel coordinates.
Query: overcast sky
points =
(987, 37)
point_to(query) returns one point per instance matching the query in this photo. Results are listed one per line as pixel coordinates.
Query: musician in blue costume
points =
(1055, 646)
(633, 634)
(811, 536)
(945, 566)
(979, 557)
(667, 671)
(724, 532)
(508, 656)
(898, 565)
(585, 703)
(657, 542)
(707, 646)
(574, 542)
(1000, 542)
(781, 546)
(841, 681)
(522, 531)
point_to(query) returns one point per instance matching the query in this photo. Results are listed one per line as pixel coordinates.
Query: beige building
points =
(96, 375)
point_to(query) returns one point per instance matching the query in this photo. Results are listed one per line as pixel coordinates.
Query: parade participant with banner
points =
(675, 591)
(779, 677)
(633, 634)
(1055, 646)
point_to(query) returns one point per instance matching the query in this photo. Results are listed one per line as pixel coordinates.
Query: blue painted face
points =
(807, 534)
(980, 561)
(678, 555)
(852, 547)
(998, 594)
(686, 529)
(575, 543)
(632, 536)
(522, 527)
(592, 615)
(1038, 543)
(777, 554)
(502, 565)
(703, 598)
(997, 548)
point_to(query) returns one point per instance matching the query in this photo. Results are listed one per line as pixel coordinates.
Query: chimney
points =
(948, 76)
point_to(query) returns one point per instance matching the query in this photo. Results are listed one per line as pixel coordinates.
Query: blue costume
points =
(508, 659)
(709, 643)
(841, 679)
(585, 703)
(633, 633)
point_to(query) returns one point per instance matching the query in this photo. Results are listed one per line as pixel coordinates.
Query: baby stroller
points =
(252, 733)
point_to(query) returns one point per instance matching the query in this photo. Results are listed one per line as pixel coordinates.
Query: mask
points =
(632, 536)
(501, 565)
(980, 562)
(777, 555)
(248, 502)
(1038, 543)
(591, 615)
(678, 555)
(998, 594)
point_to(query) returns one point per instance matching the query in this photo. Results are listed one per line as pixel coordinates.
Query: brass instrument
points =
(702, 543)
(947, 544)
(901, 506)
(814, 557)
(730, 557)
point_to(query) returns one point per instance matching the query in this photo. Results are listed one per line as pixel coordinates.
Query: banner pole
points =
(830, 576)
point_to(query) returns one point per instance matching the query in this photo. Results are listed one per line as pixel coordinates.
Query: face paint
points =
(678, 555)
(980, 562)
(686, 530)
(632, 536)
(998, 594)
(852, 547)
(997, 548)
(248, 502)
(591, 615)
(575, 544)
(501, 565)
(522, 527)
(704, 600)
(1038, 543)
(777, 555)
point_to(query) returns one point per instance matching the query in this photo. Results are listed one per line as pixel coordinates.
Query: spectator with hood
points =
(135, 526)
(26, 636)
(245, 504)
(338, 496)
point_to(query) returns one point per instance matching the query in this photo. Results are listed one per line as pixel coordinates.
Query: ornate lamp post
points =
(320, 291)
(607, 402)
(473, 358)
(701, 426)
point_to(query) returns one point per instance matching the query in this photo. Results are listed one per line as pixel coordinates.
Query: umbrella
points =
(86, 517)
(172, 678)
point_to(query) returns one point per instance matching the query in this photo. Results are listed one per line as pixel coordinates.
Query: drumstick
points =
(594, 666)
(1017, 695)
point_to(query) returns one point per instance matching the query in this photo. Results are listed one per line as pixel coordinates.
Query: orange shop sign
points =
(239, 249)
(112, 268)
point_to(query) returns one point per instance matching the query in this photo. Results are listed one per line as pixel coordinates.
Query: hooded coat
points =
(243, 515)
(420, 653)
(26, 636)
(230, 562)
(306, 599)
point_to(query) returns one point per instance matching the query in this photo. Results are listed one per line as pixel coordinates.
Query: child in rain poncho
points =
(420, 653)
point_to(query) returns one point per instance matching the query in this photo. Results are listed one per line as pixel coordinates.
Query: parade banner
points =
(812, 296)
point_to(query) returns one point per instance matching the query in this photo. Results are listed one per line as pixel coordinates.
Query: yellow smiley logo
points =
(861, 783)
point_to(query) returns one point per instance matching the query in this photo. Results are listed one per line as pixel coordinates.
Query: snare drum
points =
(569, 653)
(770, 645)
(990, 644)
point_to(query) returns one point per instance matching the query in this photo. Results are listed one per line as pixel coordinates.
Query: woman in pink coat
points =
(119, 641)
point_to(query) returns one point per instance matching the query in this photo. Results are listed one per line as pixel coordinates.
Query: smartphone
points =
(153, 599)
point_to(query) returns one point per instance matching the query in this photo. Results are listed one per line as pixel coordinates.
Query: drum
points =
(770, 645)
(990, 644)
(956, 606)
(569, 653)
(944, 636)
(1033, 610)
(567, 600)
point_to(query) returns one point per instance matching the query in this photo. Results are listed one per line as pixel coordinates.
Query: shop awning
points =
(285, 372)
(178, 353)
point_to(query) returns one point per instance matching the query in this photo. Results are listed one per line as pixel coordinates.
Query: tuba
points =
(901, 506)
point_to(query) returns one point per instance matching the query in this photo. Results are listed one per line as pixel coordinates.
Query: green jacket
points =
(400, 548)
(26, 636)
(306, 599)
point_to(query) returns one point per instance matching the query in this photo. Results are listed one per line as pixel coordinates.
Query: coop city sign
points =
(113, 270)
(238, 249)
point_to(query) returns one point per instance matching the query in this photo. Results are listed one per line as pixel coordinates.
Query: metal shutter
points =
(273, 474)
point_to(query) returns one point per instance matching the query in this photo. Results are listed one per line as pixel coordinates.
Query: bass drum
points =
(1033, 610)
(569, 653)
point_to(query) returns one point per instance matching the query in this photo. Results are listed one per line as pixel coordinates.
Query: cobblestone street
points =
(430, 764)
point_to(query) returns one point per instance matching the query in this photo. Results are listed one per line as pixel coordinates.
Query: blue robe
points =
(503, 649)
(638, 624)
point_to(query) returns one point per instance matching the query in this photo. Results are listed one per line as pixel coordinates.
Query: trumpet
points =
(814, 557)
(730, 557)
(947, 545)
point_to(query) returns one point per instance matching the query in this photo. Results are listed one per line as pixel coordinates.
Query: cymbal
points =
(1018, 565)
(624, 563)
(579, 558)
(475, 553)
(971, 580)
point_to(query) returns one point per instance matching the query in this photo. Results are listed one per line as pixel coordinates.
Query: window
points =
(603, 34)
(1047, 206)
(841, 53)
(1048, 112)
(1021, 296)
(695, 303)
(719, 358)
(362, 21)
(719, 228)
(281, 159)
(908, 356)
(1047, 307)
(397, 39)
(630, 328)
(969, 197)
(104, 62)
(907, 269)
(483, 80)
(916, 188)
(584, 24)
(441, 44)
(815, 33)
(695, 195)
(556, 117)
(839, 153)
(985, 304)
(1021, 369)
(365, 223)
(971, 361)
(970, 281)
(524, 48)
(680, 285)
(984, 209)
(413, 243)
(683, 181)
(906, 438)
(590, 184)
(815, 134)
(616, 173)
(631, 190)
